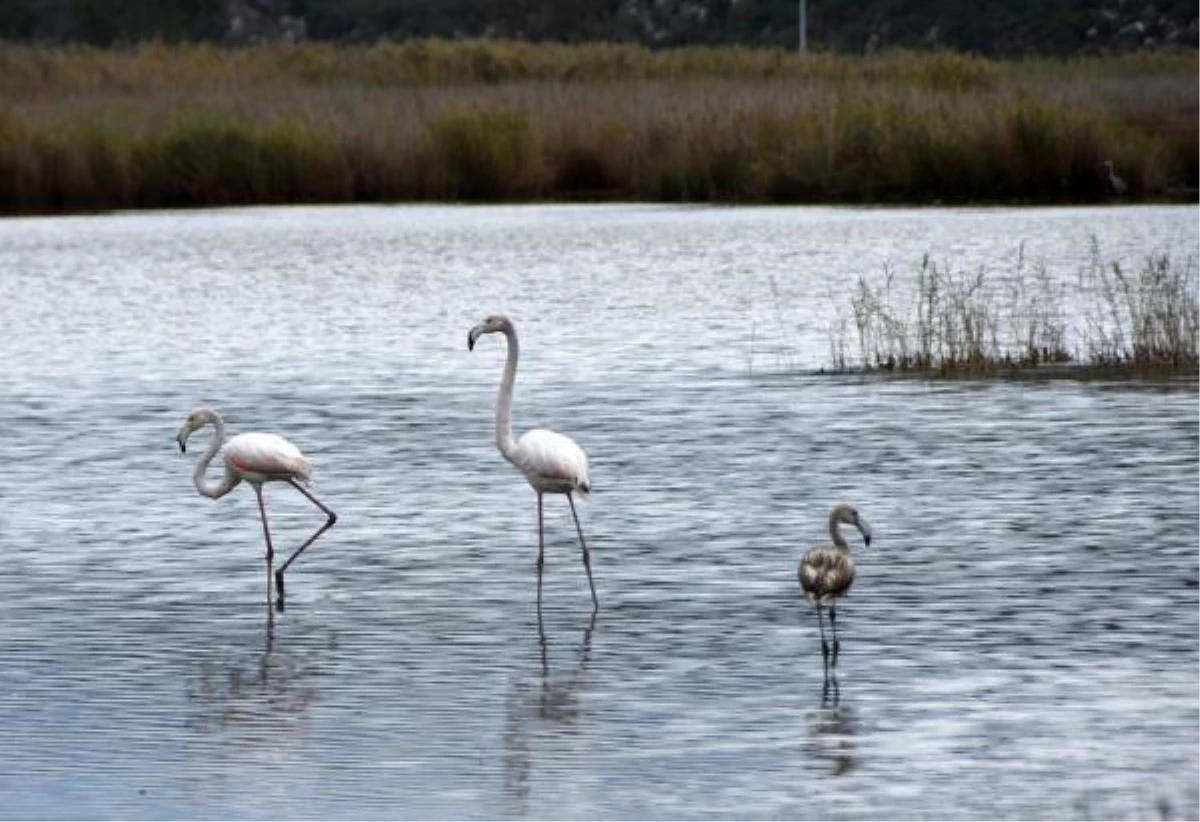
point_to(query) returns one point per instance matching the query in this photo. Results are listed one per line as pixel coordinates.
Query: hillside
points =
(991, 27)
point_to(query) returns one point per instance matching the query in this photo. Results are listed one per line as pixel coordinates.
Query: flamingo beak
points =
(182, 444)
(865, 529)
(472, 336)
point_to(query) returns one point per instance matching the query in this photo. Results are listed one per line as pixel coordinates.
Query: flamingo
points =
(827, 571)
(1118, 185)
(256, 458)
(551, 463)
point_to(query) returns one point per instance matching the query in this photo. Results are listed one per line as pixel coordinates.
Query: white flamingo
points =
(1118, 185)
(551, 463)
(256, 458)
(827, 571)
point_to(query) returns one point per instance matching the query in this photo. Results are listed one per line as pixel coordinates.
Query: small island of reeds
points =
(938, 321)
(156, 125)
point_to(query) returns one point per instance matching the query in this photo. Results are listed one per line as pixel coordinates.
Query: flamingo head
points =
(199, 418)
(495, 324)
(849, 515)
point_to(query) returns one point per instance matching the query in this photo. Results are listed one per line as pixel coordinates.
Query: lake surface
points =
(1021, 641)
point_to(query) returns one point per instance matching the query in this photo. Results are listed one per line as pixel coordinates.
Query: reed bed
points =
(161, 126)
(947, 322)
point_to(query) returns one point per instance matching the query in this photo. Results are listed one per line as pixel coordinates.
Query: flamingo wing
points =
(266, 456)
(553, 460)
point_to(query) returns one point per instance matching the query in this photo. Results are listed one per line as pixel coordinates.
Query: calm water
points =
(1022, 641)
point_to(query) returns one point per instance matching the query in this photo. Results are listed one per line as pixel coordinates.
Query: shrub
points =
(486, 154)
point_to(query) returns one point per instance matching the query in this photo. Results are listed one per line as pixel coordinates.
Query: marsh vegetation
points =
(196, 125)
(945, 321)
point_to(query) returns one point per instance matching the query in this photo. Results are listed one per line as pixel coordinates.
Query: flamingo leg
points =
(332, 518)
(587, 561)
(542, 633)
(262, 510)
(830, 689)
(541, 542)
(833, 625)
(824, 644)
(539, 564)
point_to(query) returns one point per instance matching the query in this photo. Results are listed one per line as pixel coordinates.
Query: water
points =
(1022, 640)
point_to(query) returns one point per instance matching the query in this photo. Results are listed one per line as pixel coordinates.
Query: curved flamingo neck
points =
(504, 436)
(227, 483)
(835, 533)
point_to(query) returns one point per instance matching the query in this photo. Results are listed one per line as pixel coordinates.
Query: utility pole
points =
(803, 26)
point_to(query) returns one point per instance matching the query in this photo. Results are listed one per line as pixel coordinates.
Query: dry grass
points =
(978, 323)
(478, 120)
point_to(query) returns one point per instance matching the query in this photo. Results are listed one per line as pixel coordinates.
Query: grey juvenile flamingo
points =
(827, 571)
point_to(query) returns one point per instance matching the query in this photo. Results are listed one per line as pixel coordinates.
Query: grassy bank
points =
(1110, 322)
(159, 126)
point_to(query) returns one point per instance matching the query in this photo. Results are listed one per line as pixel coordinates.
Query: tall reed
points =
(951, 322)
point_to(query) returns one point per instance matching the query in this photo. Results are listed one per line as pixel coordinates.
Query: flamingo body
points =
(259, 458)
(826, 572)
(551, 462)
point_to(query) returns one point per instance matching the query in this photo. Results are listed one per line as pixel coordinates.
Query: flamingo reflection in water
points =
(831, 730)
(255, 693)
(542, 709)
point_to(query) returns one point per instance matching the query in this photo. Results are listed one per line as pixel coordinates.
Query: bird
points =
(1119, 186)
(550, 462)
(826, 571)
(255, 458)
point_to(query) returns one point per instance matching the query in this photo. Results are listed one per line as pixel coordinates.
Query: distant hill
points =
(990, 27)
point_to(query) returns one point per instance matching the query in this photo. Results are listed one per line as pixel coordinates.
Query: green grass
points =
(157, 125)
